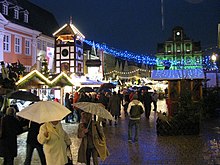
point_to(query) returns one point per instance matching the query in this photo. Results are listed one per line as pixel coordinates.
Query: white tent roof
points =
(177, 74)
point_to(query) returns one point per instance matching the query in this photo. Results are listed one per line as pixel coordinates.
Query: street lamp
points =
(214, 58)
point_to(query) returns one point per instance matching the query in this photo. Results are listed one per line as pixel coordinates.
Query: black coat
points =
(8, 143)
(32, 133)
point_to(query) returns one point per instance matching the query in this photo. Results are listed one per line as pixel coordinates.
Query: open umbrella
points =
(23, 95)
(108, 85)
(85, 89)
(104, 90)
(44, 111)
(144, 88)
(95, 109)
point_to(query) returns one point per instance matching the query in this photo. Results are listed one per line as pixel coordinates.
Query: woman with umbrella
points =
(55, 141)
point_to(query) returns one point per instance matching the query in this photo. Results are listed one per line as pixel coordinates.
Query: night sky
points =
(136, 25)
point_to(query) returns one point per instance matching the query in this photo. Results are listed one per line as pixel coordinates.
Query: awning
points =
(177, 74)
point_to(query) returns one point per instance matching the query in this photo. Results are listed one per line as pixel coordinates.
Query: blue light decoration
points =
(208, 64)
(125, 55)
(177, 74)
(150, 60)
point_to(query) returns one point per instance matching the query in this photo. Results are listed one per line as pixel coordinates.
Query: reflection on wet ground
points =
(151, 149)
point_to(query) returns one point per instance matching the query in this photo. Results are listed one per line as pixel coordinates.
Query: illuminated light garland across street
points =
(129, 72)
(125, 55)
(138, 58)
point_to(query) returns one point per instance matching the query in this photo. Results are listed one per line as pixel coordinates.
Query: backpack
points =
(136, 111)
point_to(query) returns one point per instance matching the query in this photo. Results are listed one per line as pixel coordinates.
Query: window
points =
(39, 44)
(18, 45)
(25, 18)
(44, 46)
(188, 49)
(178, 48)
(28, 47)
(16, 13)
(169, 49)
(79, 67)
(5, 9)
(7, 43)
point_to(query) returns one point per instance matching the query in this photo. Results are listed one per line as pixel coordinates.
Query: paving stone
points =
(151, 149)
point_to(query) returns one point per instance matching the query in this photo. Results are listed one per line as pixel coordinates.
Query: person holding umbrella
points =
(55, 141)
(93, 140)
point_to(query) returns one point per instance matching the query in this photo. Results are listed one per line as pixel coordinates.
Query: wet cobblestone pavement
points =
(203, 149)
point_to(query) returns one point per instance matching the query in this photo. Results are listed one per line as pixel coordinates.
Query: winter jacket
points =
(55, 145)
(98, 138)
(133, 103)
(8, 143)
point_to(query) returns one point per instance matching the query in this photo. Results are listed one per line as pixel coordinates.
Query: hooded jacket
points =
(132, 103)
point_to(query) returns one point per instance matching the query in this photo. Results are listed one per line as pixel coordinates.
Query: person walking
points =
(33, 143)
(69, 106)
(93, 140)
(114, 106)
(10, 128)
(147, 100)
(55, 142)
(135, 110)
(155, 99)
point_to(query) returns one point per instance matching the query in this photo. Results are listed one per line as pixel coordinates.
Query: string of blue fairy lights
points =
(125, 55)
(146, 59)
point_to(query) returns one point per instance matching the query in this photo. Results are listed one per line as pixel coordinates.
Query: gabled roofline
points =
(74, 29)
(3, 20)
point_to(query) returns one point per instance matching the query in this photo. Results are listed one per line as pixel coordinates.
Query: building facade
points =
(179, 52)
(23, 32)
(69, 50)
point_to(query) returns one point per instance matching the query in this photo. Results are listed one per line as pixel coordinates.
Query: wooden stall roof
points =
(177, 74)
(61, 80)
(34, 79)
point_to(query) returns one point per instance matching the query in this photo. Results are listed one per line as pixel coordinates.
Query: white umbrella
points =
(95, 109)
(44, 111)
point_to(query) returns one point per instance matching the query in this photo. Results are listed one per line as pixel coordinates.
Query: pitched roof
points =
(68, 29)
(39, 18)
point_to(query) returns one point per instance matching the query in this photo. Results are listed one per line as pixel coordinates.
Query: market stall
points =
(183, 102)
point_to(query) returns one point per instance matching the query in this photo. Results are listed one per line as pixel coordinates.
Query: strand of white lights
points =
(127, 77)
(130, 72)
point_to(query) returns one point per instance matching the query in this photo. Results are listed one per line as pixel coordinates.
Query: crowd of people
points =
(51, 141)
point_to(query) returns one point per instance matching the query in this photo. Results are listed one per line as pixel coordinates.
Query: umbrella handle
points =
(89, 123)
(29, 125)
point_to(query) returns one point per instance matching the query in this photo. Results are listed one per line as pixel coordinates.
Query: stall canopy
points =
(177, 74)
(35, 79)
(91, 83)
(61, 80)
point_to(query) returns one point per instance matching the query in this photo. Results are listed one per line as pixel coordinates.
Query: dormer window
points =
(26, 16)
(5, 9)
(16, 13)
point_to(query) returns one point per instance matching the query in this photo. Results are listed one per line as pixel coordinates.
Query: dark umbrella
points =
(23, 95)
(86, 89)
(104, 90)
(108, 86)
(144, 88)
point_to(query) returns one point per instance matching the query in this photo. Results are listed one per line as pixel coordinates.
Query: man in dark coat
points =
(147, 100)
(33, 143)
(114, 106)
(8, 143)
